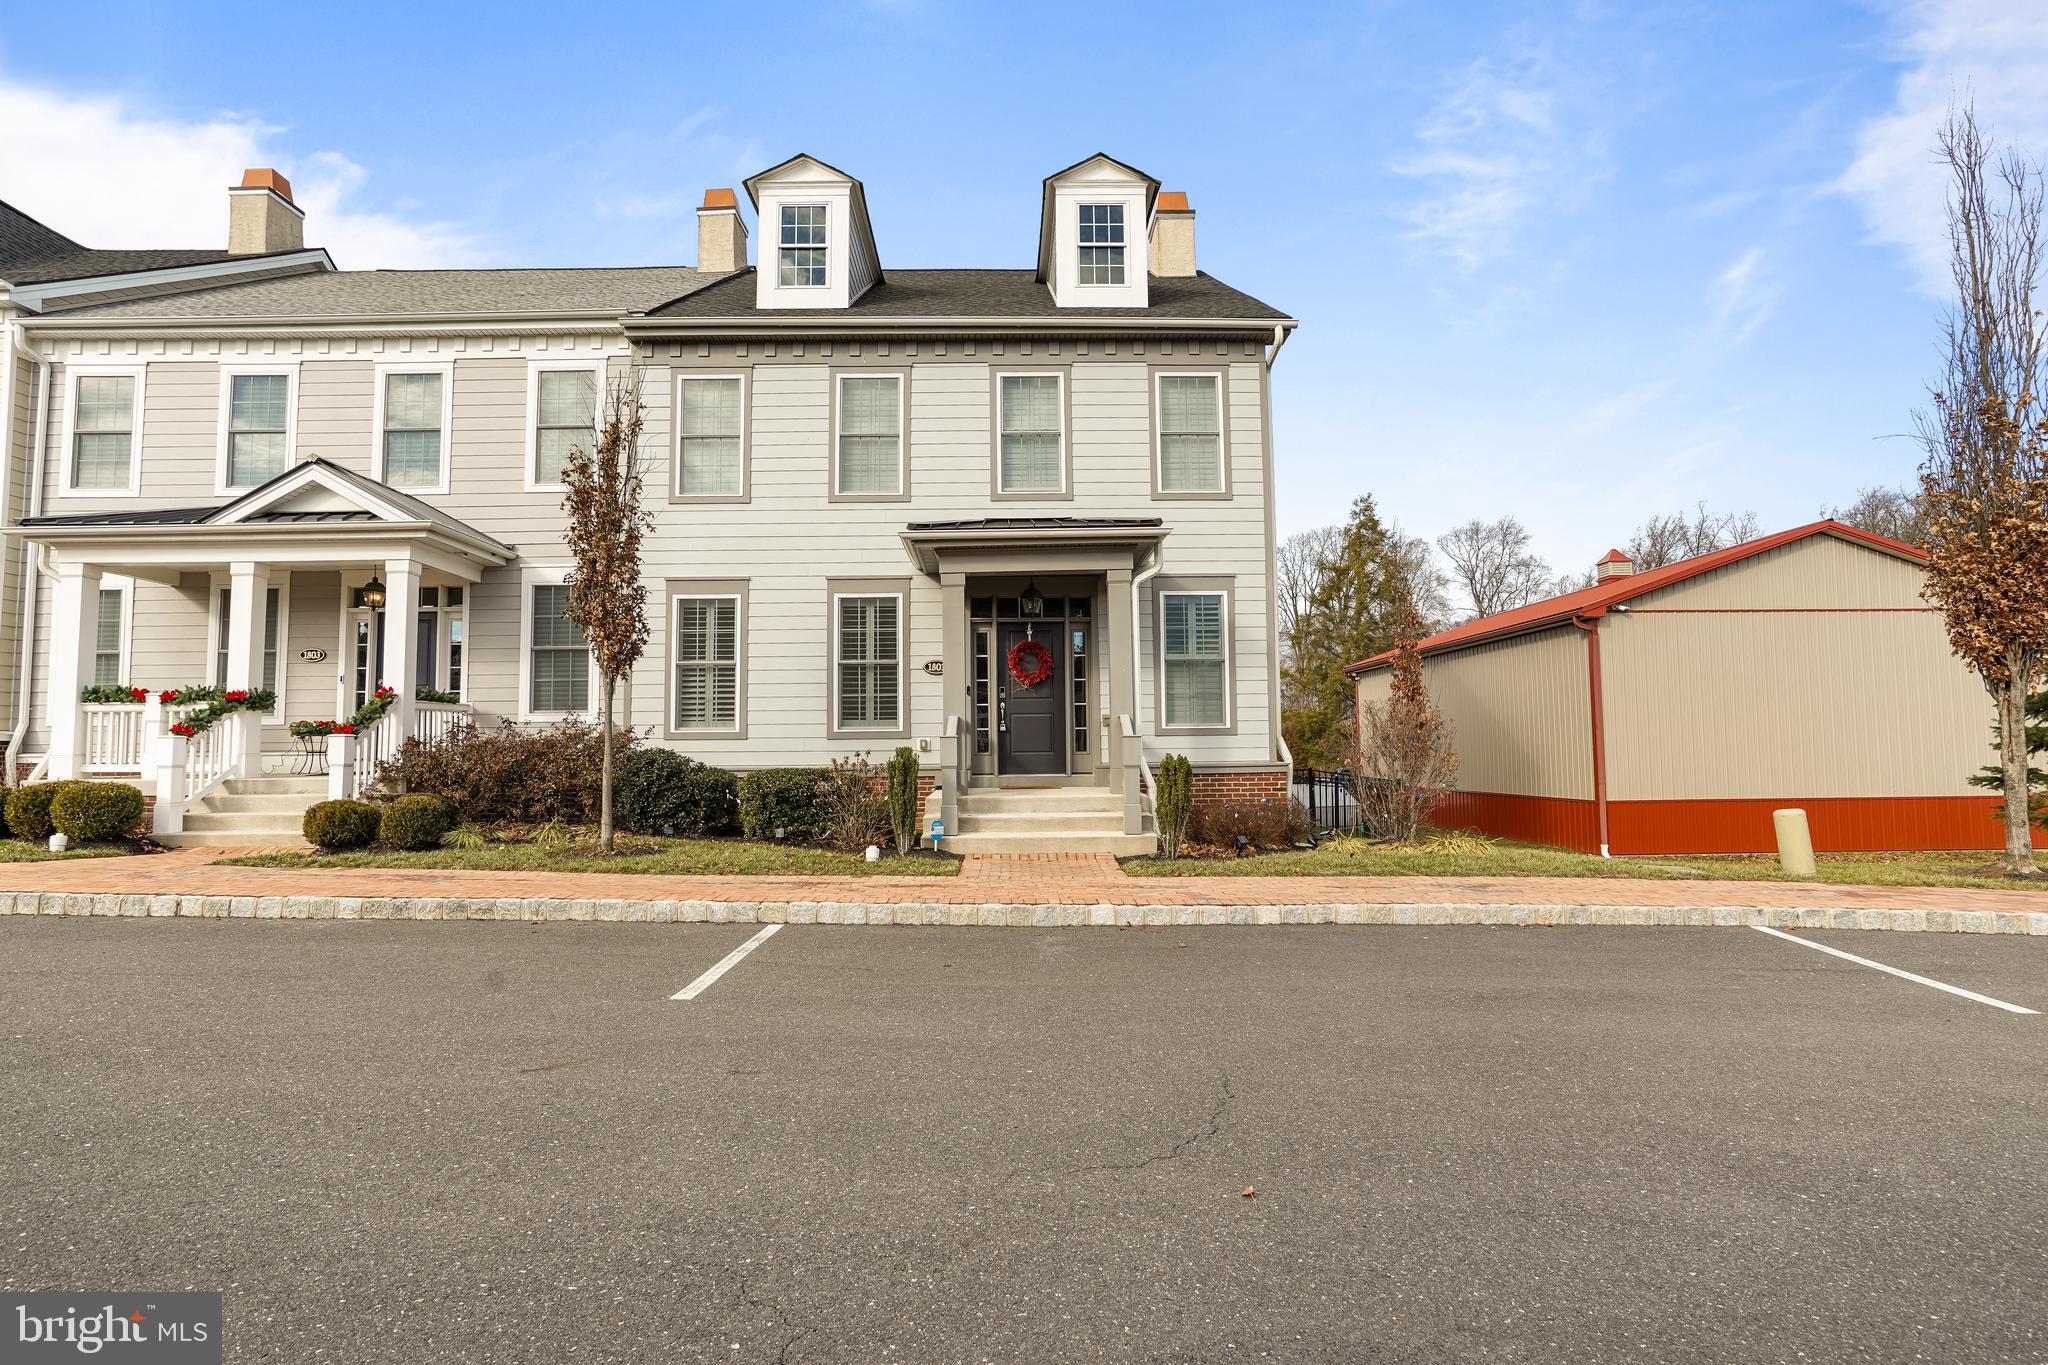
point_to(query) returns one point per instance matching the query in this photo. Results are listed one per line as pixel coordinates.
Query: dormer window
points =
(1102, 244)
(801, 263)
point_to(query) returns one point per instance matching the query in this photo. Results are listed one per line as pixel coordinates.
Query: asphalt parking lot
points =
(501, 1142)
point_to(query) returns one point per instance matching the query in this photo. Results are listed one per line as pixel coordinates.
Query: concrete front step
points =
(1123, 845)
(234, 839)
(291, 801)
(265, 823)
(1098, 800)
(316, 787)
(1043, 822)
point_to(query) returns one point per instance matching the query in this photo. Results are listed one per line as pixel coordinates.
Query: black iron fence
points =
(1329, 798)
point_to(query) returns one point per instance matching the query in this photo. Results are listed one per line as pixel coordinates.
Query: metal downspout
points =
(24, 686)
(1599, 718)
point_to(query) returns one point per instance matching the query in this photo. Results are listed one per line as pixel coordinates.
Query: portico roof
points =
(1031, 538)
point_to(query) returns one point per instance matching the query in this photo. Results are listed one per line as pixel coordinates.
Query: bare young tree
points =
(1491, 562)
(1667, 539)
(1403, 762)
(607, 522)
(1891, 512)
(1984, 483)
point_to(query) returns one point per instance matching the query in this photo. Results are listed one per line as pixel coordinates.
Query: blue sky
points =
(1578, 262)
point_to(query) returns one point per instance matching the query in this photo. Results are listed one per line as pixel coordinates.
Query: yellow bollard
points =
(1795, 843)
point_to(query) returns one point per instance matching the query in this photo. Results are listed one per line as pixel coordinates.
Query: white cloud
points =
(1740, 300)
(107, 174)
(1994, 52)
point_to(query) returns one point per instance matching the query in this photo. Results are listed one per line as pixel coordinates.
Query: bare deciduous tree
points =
(607, 522)
(1492, 564)
(1299, 569)
(1666, 540)
(1893, 512)
(1984, 484)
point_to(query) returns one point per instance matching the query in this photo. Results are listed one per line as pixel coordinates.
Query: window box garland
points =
(211, 705)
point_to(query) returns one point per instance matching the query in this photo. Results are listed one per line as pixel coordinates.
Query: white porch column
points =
(402, 644)
(248, 596)
(74, 628)
(1120, 697)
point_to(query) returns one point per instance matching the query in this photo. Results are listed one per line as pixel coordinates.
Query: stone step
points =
(280, 801)
(1124, 845)
(1042, 822)
(275, 786)
(984, 801)
(263, 823)
(236, 839)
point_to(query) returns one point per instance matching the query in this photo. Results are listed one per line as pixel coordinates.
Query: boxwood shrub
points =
(663, 792)
(416, 822)
(341, 825)
(93, 812)
(28, 810)
(784, 798)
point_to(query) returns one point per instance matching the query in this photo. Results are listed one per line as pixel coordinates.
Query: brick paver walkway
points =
(1083, 867)
(1078, 881)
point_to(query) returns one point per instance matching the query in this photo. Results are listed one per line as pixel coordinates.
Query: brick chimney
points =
(1173, 235)
(1613, 564)
(721, 235)
(262, 217)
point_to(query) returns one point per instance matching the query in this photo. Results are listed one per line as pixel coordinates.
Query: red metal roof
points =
(1594, 601)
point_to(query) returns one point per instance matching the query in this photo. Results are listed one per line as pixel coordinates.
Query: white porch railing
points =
(113, 736)
(432, 721)
(210, 756)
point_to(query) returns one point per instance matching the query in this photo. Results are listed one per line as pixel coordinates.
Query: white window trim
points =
(1060, 377)
(676, 484)
(902, 649)
(384, 370)
(228, 371)
(534, 369)
(68, 468)
(124, 585)
(443, 642)
(1159, 629)
(217, 583)
(1159, 435)
(739, 646)
(902, 429)
(1081, 246)
(531, 577)
(824, 246)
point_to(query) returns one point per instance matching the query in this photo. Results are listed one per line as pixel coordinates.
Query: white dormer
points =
(1093, 234)
(817, 246)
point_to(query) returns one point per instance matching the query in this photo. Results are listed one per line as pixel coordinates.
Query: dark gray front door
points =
(1030, 737)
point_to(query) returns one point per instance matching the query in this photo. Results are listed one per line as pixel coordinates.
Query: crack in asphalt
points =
(774, 1309)
(1180, 1148)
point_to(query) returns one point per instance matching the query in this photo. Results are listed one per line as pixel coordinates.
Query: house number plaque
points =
(312, 656)
(935, 667)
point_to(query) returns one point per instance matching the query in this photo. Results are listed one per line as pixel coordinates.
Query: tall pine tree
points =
(1354, 610)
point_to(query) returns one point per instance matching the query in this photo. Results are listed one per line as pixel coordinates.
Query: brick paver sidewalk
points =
(1072, 880)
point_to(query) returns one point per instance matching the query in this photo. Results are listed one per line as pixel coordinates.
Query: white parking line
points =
(725, 964)
(1879, 966)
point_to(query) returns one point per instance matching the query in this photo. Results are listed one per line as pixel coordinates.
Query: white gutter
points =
(29, 578)
(227, 271)
(1281, 331)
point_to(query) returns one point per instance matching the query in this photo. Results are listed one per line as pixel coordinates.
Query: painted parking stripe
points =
(725, 964)
(1909, 976)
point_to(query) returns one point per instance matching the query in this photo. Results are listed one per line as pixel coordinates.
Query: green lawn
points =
(717, 857)
(1472, 857)
(23, 851)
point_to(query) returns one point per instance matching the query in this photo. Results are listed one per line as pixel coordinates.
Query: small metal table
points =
(312, 759)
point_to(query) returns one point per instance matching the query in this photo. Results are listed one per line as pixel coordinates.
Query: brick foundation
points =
(1225, 788)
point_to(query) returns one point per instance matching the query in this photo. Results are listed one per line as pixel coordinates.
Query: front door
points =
(1031, 736)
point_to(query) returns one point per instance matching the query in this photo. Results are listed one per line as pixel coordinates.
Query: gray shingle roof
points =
(23, 239)
(976, 294)
(375, 293)
(32, 253)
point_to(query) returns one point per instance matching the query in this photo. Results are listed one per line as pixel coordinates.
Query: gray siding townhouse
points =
(1018, 519)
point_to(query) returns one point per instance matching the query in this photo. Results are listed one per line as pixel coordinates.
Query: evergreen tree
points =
(1355, 611)
(1992, 776)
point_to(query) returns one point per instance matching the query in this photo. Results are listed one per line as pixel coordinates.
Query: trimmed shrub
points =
(416, 822)
(1270, 822)
(28, 810)
(341, 825)
(1174, 801)
(93, 812)
(904, 808)
(784, 798)
(663, 792)
(511, 775)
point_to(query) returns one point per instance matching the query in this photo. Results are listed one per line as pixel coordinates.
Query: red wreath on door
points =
(1040, 667)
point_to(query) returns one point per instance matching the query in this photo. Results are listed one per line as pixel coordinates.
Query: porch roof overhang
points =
(1045, 544)
(315, 513)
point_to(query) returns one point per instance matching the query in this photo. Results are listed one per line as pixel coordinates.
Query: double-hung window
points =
(273, 629)
(1194, 659)
(1030, 415)
(110, 639)
(707, 663)
(558, 662)
(106, 415)
(1102, 244)
(1190, 409)
(256, 431)
(868, 645)
(564, 418)
(870, 442)
(801, 246)
(413, 411)
(711, 436)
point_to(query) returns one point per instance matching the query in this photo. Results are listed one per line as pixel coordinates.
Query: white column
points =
(168, 816)
(74, 627)
(248, 593)
(401, 643)
(341, 767)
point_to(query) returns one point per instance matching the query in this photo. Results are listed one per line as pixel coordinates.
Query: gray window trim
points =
(1152, 377)
(705, 587)
(836, 588)
(833, 377)
(997, 373)
(1208, 583)
(680, 376)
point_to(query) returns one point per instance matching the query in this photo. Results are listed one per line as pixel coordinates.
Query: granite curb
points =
(993, 915)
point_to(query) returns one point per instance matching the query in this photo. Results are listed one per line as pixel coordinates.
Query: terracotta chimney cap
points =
(1173, 201)
(720, 199)
(263, 178)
